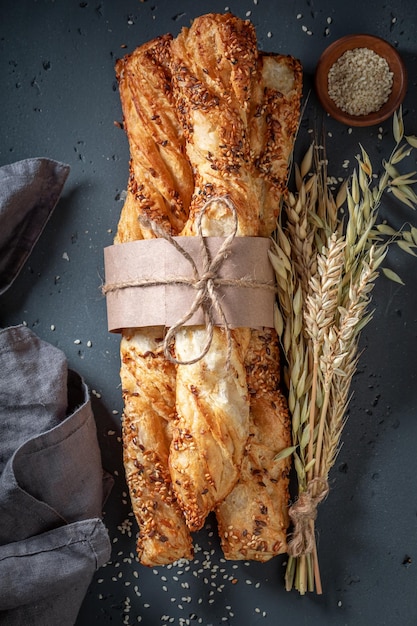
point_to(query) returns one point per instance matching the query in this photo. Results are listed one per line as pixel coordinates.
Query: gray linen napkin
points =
(52, 486)
(29, 191)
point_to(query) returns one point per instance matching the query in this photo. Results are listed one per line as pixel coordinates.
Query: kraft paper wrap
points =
(157, 259)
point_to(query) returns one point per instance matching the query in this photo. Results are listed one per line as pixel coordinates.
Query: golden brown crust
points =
(148, 386)
(211, 427)
(214, 69)
(239, 110)
(274, 124)
(160, 184)
(206, 114)
(213, 66)
(235, 107)
(161, 180)
(253, 519)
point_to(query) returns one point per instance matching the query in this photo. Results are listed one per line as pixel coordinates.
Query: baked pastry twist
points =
(160, 187)
(207, 115)
(253, 519)
(239, 111)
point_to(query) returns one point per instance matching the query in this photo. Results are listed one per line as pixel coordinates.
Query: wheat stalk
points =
(328, 252)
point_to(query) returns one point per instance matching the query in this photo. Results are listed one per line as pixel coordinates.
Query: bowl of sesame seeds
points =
(360, 80)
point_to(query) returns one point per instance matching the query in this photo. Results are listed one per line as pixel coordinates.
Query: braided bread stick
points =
(160, 186)
(239, 142)
(213, 66)
(161, 180)
(231, 114)
(253, 518)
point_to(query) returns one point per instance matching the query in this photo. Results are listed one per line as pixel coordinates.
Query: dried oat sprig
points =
(326, 262)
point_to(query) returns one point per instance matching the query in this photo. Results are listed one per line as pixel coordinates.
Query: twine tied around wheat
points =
(303, 514)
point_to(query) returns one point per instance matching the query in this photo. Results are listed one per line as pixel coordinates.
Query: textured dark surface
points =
(59, 99)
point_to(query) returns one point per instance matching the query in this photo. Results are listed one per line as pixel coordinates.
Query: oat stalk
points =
(328, 252)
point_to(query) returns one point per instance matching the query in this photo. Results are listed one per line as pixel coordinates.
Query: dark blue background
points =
(58, 98)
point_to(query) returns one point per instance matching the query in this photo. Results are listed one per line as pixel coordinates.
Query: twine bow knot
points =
(205, 283)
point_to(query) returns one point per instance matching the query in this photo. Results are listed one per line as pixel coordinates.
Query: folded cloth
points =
(29, 191)
(52, 538)
(52, 486)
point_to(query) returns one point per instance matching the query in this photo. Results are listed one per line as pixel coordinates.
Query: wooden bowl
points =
(380, 47)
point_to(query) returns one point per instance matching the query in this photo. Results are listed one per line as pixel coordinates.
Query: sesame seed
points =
(360, 81)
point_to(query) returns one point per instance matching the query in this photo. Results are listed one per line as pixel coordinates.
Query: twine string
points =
(207, 297)
(205, 283)
(303, 514)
